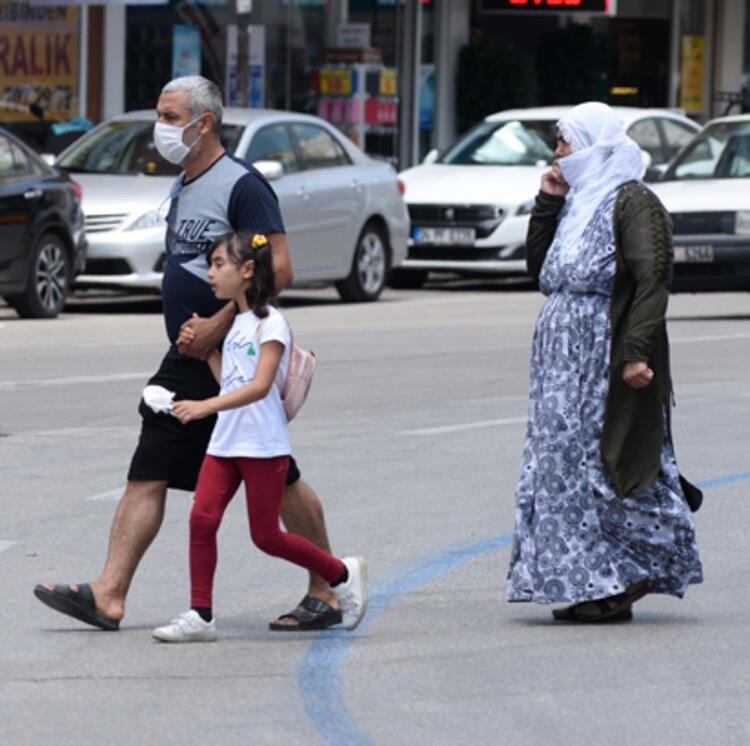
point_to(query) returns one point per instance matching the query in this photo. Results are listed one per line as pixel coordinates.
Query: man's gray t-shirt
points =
(228, 196)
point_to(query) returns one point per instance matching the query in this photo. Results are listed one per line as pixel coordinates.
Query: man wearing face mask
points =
(215, 194)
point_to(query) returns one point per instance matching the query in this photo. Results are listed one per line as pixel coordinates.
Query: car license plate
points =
(444, 236)
(694, 253)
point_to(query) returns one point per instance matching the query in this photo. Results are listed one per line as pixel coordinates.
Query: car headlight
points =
(525, 208)
(742, 222)
(150, 219)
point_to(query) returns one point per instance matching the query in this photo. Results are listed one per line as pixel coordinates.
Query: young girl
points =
(249, 443)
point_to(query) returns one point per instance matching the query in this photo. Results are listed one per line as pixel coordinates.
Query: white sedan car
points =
(707, 192)
(344, 212)
(470, 207)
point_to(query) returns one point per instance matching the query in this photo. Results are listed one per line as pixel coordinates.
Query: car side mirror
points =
(272, 170)
(432, 156)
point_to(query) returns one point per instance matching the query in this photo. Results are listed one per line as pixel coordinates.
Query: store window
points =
(288, 40)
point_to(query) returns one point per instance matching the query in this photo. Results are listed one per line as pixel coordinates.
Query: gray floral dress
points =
(575, 540)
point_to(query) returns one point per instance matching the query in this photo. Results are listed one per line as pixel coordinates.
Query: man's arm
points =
(282, 263)
(200, 337)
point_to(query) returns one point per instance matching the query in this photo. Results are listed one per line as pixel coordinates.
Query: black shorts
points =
(168, 450)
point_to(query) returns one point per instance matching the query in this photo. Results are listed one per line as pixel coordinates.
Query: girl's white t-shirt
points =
(259, 429)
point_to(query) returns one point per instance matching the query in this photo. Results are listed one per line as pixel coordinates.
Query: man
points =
(214, 195)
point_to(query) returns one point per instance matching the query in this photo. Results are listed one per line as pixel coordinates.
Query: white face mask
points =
(168, 141)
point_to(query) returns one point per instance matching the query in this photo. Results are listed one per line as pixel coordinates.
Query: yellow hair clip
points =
(259, 241)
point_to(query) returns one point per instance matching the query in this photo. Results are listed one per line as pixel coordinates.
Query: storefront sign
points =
(607, 7)
(231, 85)
(691, 77)
(388, 83)
(38, 62)
(353, 35)
(334, 82)
(186, 51)
(256, 94)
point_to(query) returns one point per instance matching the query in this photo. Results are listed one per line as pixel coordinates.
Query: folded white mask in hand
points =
(158, 398)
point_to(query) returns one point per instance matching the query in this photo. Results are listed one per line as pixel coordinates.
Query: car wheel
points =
(369, 267)
(407, 279)
(49, 280)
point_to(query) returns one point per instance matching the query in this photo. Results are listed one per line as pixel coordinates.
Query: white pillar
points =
(337, 11)
(673, 98)
(83, 63)
(729, 49)
(113, 78)
(452, 33)
(411, 57)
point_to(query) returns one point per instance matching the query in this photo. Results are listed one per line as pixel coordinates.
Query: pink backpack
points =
(298, 379)
(298, 375)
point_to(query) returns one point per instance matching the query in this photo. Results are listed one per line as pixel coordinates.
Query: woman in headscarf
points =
(602, 514)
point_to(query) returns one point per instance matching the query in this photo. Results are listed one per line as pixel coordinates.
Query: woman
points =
(601, 511)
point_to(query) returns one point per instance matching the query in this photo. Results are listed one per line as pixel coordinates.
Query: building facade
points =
(383, 70)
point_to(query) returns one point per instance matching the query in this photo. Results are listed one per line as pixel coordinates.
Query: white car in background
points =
(469, 207)
(707, 192)
(344, 212)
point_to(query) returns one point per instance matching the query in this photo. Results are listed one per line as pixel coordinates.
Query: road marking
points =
(320, 677)
(711, 337)
(115, 494)
(72, 380)
(6, 544)
(466, 426)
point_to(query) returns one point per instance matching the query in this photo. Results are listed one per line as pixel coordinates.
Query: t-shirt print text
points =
(192, 237)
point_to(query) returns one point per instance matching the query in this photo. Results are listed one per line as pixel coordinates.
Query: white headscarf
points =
(603, 157)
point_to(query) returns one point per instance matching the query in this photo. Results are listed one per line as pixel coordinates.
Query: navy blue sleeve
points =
(253, 205)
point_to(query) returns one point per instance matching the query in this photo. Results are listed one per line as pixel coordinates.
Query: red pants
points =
(264, 481)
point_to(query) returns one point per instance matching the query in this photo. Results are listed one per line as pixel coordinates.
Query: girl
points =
(249, 443)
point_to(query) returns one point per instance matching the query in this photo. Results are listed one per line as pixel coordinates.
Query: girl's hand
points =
(553, 182)
(186, 410)
(638, 375)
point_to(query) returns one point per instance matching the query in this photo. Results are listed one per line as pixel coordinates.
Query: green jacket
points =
(634, 420)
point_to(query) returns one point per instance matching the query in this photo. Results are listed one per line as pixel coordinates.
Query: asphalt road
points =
(412, 437)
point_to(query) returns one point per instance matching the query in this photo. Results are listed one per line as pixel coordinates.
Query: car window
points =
(127, 147)
(646, 134)
(14, 161)
(503, 144)
(118, 147)
(677, 134)
(318, 147)
(273, 143)
(704, 157)
(734, 162)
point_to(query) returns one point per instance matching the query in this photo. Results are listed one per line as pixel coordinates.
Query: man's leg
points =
(302, 514)
(137, 521)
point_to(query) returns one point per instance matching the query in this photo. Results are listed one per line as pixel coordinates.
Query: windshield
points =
(720, 151)
(512, 143)
(127, 147)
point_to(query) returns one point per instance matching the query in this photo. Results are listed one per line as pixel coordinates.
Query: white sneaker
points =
(188, 627)
(352, 595)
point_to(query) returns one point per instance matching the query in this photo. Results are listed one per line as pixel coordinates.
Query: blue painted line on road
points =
(721, 481)
(320, 675)
(319, 678)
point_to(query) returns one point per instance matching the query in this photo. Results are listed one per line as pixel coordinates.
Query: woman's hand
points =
(553, 182)
(637, 374)
(186, 410)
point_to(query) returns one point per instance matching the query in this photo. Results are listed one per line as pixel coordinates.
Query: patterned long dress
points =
(575, 540)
